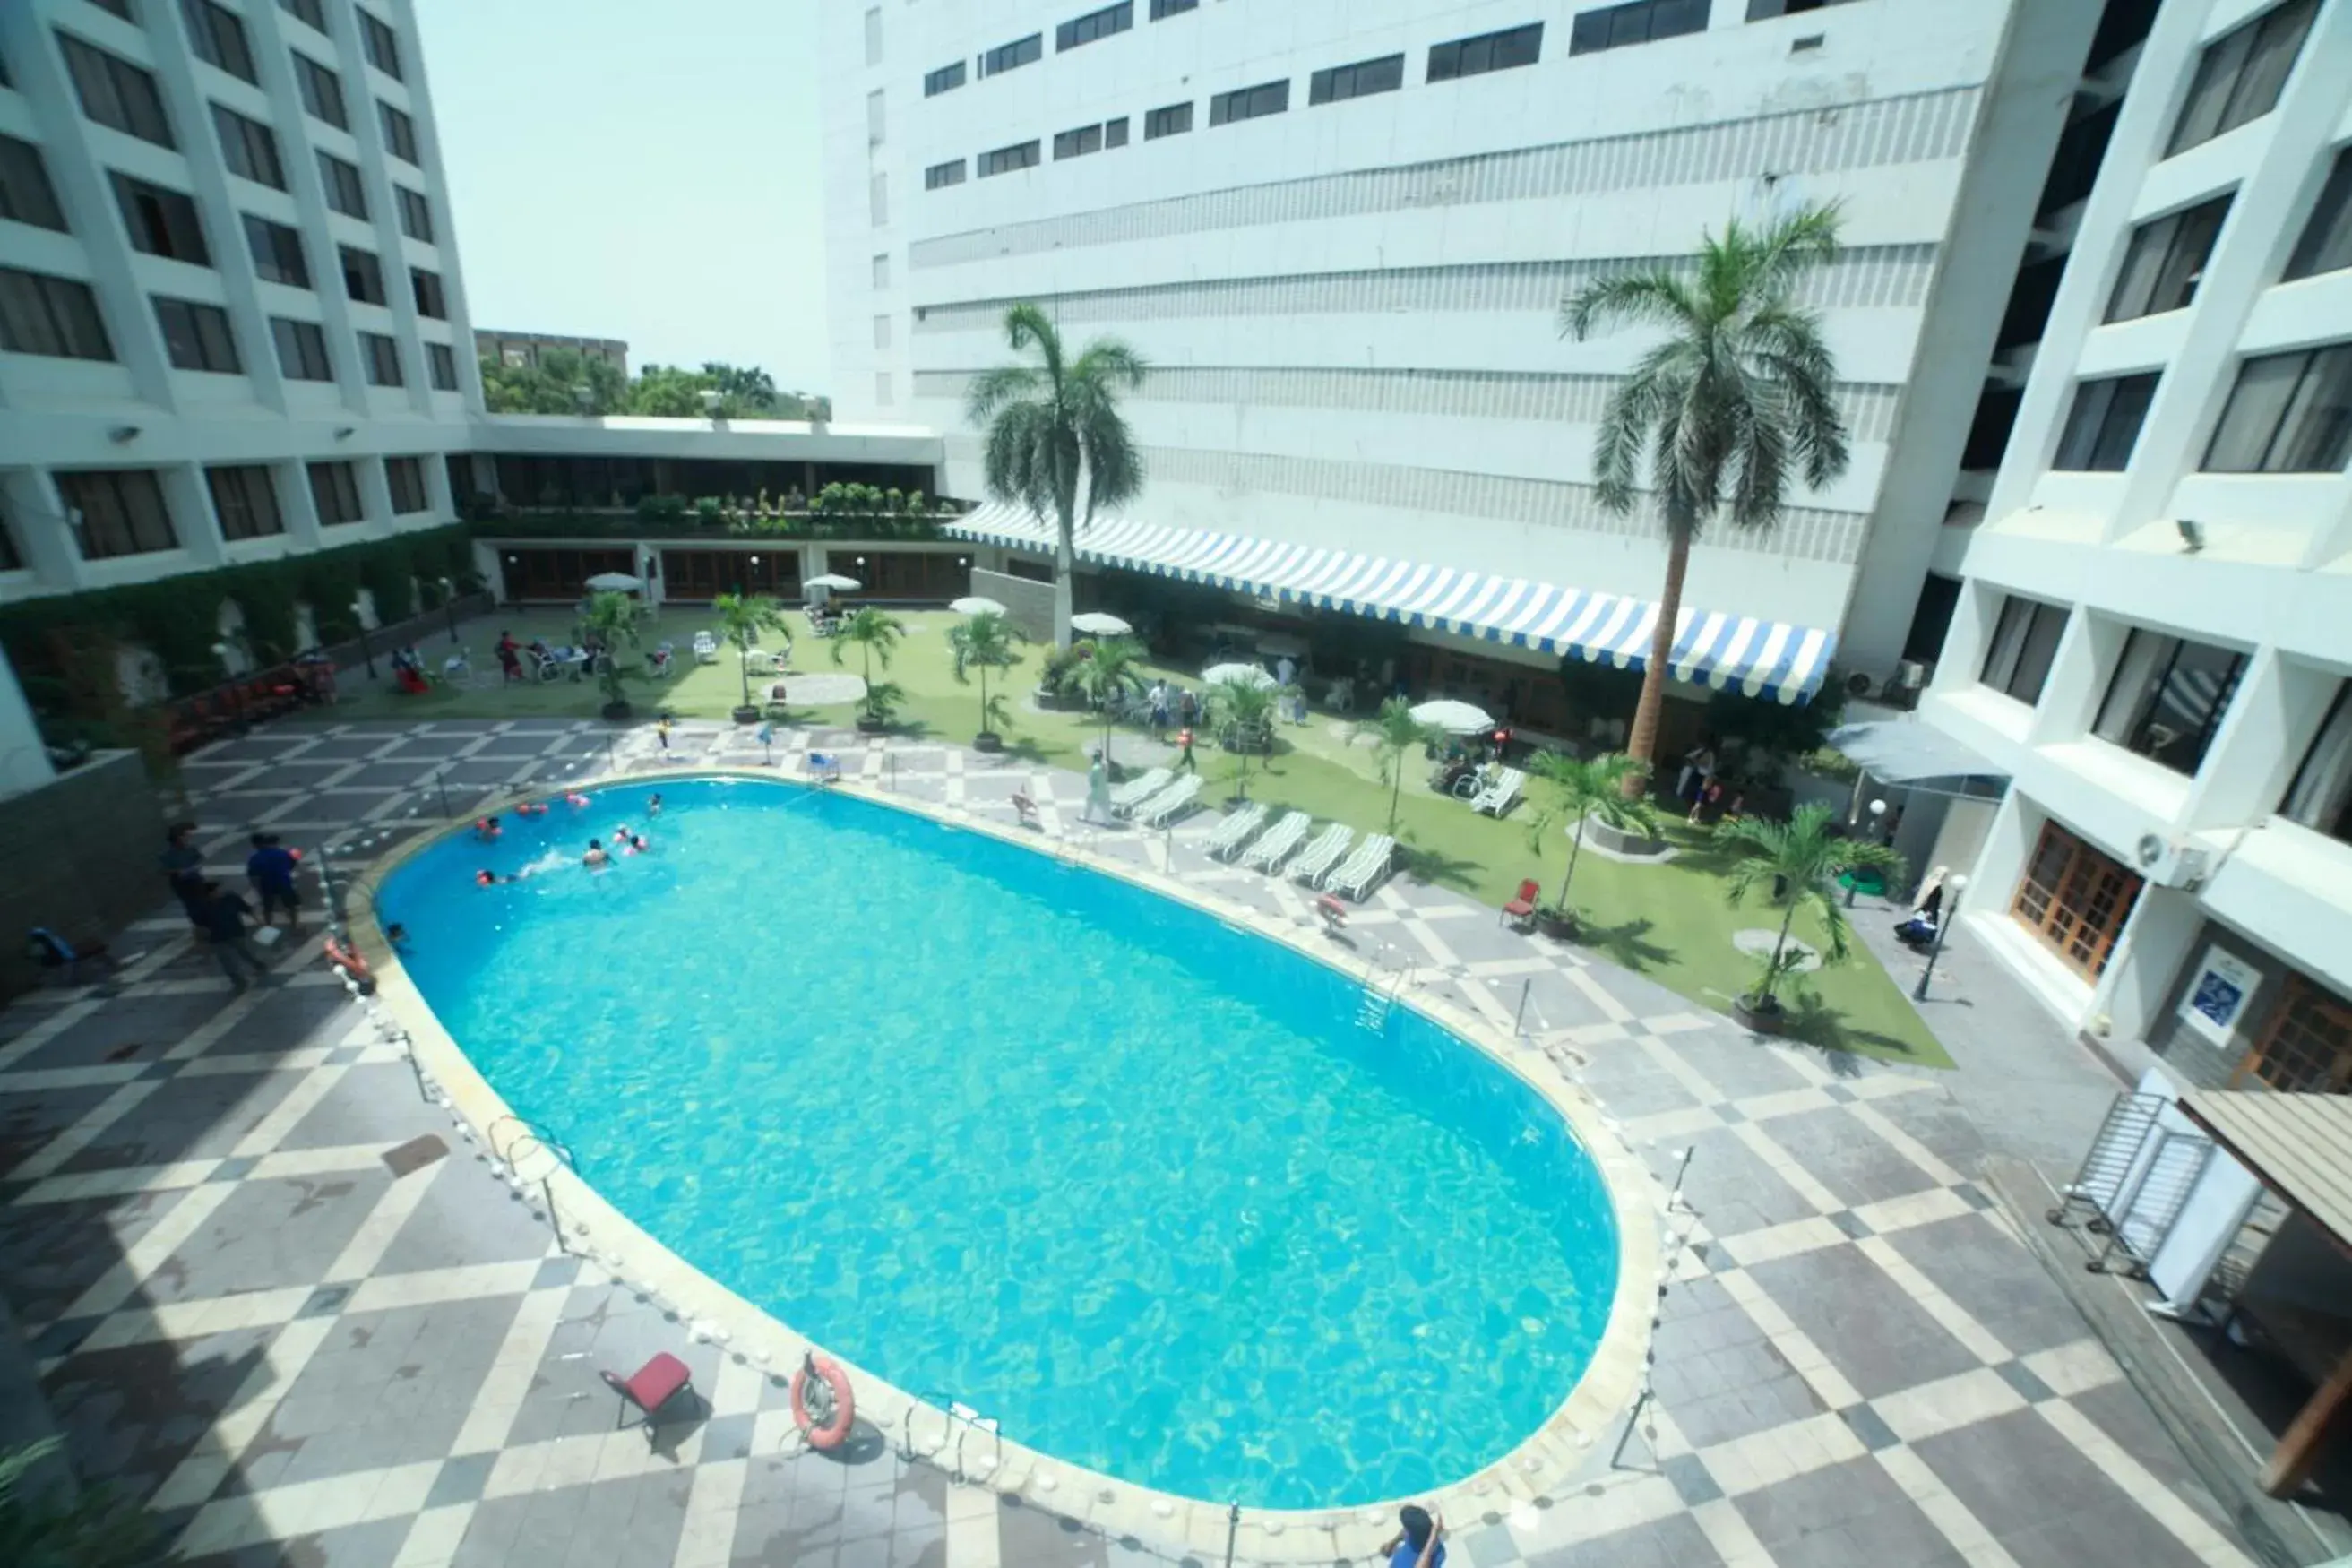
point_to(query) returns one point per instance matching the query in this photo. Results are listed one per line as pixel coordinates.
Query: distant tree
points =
(747, 388)
(667, 392)
(551, 386)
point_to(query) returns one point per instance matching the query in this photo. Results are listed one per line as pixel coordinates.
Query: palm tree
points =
(1244, 706)
(741, 619)
(1396, 732)
(1803, 859)
(983, 642)
(1581, 791)
(612, 620)
(1739, 394)
(875, 635)
(1112, 668)
(1055, 442)
(51, 1523)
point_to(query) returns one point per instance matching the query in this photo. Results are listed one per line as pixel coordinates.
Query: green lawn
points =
(1670, 922)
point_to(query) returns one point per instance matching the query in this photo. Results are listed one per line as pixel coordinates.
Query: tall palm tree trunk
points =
(1643, 744)
(1064, 567)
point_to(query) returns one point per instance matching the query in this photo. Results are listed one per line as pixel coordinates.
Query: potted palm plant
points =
(1242, 710)
(613, 621)
(874, 634)
(985, 642)
(1801, 859)
(1396, 734)
(1581, 791)
(44, 1519)
(1112, 668)
(741, 619)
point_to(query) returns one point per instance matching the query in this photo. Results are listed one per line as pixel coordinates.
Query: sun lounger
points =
(1277, 843)
(706, 648)
(1170, 802)
(1364, 868)
(1499, 796)
(1137, 790)
(1323, 854)
(1235, 831)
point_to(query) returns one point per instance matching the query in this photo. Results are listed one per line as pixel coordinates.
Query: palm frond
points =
(1657, 297)
(1778, 255)
(1112, 365)
(1000, 387)
(1027, 325)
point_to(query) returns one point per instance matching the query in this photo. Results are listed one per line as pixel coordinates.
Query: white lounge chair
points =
(1170, 802)
(1500, 796)
(1275, 844)
(706, 648)
(1324, 853)
(766, 661)
(1235, 831)
(1126, 798)
(1364, 868)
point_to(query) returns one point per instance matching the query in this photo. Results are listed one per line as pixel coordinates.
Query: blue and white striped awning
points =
(1768, 658)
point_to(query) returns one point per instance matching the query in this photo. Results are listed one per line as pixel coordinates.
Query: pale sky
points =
(646, 170)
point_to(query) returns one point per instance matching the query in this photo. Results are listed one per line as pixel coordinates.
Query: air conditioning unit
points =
(2172, 862)
(1910, 675)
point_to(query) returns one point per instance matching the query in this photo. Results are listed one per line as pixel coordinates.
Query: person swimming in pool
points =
(653, 807)
(486, 829)
(595, 855)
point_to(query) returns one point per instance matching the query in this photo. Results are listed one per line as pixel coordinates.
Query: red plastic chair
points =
(1521, 910)
(653, 1386)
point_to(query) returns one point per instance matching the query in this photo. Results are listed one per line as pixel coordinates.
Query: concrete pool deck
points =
(273, 1292)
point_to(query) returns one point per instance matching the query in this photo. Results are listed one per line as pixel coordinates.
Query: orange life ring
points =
(348, 960)
(835, 1431)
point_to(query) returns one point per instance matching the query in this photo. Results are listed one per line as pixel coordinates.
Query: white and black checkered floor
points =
(275, 1295)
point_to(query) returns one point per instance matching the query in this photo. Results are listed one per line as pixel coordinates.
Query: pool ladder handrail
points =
(959, 1420)
(1372, 1011)
(531, 1133)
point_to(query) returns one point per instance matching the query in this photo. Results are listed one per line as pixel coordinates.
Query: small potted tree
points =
(612, 620)
(1110, 669)
(1242, 710)
(741, 619)
(1396, 735)
(1590, 789)
(984, 642)
(875, 635)
(1800, 860)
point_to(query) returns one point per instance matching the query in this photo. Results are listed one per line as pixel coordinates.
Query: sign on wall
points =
(2217, 999)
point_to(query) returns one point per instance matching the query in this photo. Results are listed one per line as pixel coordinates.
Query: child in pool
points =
(595, 855)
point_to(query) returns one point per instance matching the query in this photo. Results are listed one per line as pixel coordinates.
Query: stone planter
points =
(1558, 924)
(1765, 1018)
(747, 714)
(988, 741)
(869, 725)
(616, 710)
(1620, 843)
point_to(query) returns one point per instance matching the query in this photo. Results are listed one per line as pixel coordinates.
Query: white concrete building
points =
(1342, 233)
(2156, 634)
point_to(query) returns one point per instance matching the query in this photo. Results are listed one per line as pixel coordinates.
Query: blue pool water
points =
(1132, 1182)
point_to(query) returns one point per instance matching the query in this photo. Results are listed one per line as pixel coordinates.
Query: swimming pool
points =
(1136, 1183)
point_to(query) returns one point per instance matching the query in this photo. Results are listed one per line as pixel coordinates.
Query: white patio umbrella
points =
(1100, 624)
(615, 583)
(1218, 674)
(835, 581)
(975, 605)
(1454, 718)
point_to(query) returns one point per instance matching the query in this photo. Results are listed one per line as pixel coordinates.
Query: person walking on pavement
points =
(1185, 762)
(224, 923)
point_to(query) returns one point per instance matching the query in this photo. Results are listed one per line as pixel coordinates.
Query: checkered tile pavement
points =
(275, 1292)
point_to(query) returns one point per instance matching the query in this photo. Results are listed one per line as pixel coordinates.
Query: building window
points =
(302, 350)
(948, 173)
(875, 122)
(415, 213)
(2103, 423)
(1766, 10)
(117, 511)
(441, 365)
(244, 501)
(335, 493)
(249, 148)
(1640, 22)
(56, 317)
(406, 479)
(25, 193)
(219, 37)
(882, 393)
(1486, 52)
(1094, 25)
(881, 331)
(2240, 75)
(376, 38)
(874, 35)
(1020, 52)
(1163, 10)
(429, 298)
(161, 222)
(196, 336)
(1004, 160)
(2168, 698)
(2326, 242)
(2164, 261)
(322, 91)
(344, 191)
(363, 275)
(399, 134)
(115, 92)
(2320, 798)
(2024, 642)
(1250, 102)
(2289, 414)
(878, 199)
(382, 357)
(2076, 899)
(946, 79)
(2308, 1047)
(1090, 139)
(1359, 81)
(310, 12)
(276, 252)
(1173, 121)
(882, 271)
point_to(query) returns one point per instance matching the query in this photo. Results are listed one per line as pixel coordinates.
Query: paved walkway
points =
(278, 1296)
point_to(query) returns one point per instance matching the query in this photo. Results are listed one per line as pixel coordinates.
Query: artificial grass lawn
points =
(1670, 922)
